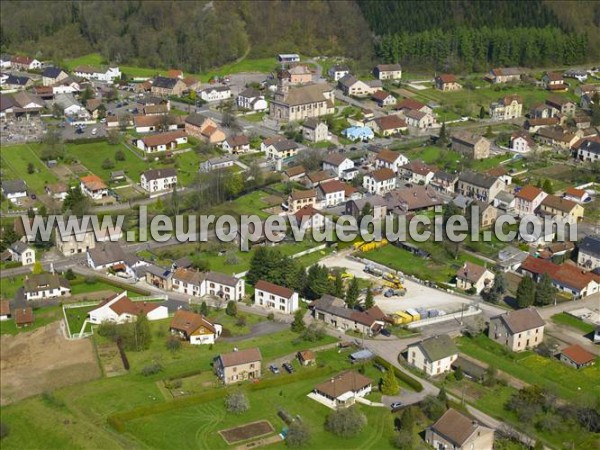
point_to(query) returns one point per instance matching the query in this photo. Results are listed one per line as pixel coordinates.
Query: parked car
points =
(79, 131)
(273, 368)
(385, 332)
(94, 131)
(288, 367)
(396, 406)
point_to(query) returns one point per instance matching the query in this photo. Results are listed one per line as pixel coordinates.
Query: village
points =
(478, 345)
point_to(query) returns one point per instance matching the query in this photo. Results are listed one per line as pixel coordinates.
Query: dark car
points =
(33, 197)
(288, 367)
(79, 131)
(273, 368)
(385, 332)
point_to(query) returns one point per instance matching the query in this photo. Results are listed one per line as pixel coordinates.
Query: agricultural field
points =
(15, 161)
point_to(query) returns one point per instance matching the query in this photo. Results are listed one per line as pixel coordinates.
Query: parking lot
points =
(69, 132)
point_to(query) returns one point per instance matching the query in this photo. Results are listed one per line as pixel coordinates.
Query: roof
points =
(381, 95)
(19, 59)
(295, 171)
(311, 123)
(189, 322)
(556, 134)
(471, 272)
(320, 175)
(541, 122)
(332, 186)
(274, 289)
(4, 308)
(477, 179)
(237, 140)
(44, 281)
(13, 186)
(522, 319)
(590, 146)
(523, 135)
(455, 427)
(438, 347)
(388, 67)
(409, 103)
(282, 145)
(174, 73)
(240, 357)
(335, 159)
(221, 278)
(529, 193)
(414, 114)
(163, 138)
(93, 182)
(337, 307)
(382, 174)
(52, 72)
(554, 76)
(250, 93)
(418, 167)
(147, 121)
(590, 245)
(306, 211)
(578, 354)
(157, 174)
(311, 93)
(388, 156)
(164, 82)
(299, 195)
(506, 71)
(390, 122)
(446, 78)
(349, 381)
(125, 305)
(17, 80)
(467, 138)
(574, 192)
(307, 355)
(412, 198)
(561, 204)
(23, 316)
(107, 253)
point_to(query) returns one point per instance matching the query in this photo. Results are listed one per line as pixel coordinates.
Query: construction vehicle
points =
(401, 317)
(345, 276)
(395, 292)
(370, 268)
(368, 246)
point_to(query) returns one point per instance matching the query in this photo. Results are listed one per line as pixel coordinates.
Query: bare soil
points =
(43, 360)
(248, 431)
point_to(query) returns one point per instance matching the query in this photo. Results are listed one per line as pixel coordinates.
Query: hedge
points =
(412, 382)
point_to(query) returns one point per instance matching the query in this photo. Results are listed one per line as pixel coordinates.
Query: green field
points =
(573, 322)
(76, 316)
(42, 317)
(15, 160)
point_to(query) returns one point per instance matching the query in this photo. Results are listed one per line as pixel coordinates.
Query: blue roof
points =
(358, 133)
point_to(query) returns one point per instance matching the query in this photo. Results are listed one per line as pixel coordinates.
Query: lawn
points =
(42, 317)
(565, 381)
(15, 161)
(573, 322)
(76, 316)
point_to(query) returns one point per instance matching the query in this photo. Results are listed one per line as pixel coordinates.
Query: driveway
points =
(260, 329)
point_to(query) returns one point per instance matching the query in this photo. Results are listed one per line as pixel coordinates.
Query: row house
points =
(555, 206)
(478, 186)
(504, 75)
(201, 284)
(534, 125)
(444, 182)
(556, 137)
(333, 311)
(108, 75)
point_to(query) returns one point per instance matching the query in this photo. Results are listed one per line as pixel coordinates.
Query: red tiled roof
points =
(240, 357)
(561, 204)
(409, 103)
(333, 186)
(578, 354)
(93, 182)
(189, 322)
(380, 95)
(390, 122)
(382, 174)
(388, 156)
(573, 192)
(4, 308)
(163, 138)
(447, 78)
(23, 316)
(298, 195)
(529, 193)
(306, 211)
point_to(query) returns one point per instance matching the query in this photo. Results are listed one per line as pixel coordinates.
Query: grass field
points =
(15, 160)
(573, 322)
(76, 317)
(42, 317)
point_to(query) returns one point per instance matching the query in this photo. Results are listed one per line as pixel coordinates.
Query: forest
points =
(201, 35)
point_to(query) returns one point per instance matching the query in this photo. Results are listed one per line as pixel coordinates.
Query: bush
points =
(314, 332)
(108, 164)
(70, 275)
(151, 369)
(346, 422)
(231, 309)
(237, 403)
(270, 316)
(173, 343)
(298, 434)
(173, 384)
(433, 407)
(412, 382)
(241, 321)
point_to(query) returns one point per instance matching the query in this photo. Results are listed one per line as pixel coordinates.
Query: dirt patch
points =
(245, 432)
(260, 443)
(62, 172)
(110, 358)
(272, 200)
(79, 169)
(43, 360)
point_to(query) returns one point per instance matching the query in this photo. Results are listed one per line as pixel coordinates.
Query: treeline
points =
(477, 49)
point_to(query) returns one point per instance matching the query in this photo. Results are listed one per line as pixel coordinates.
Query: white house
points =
(162, 142)
(94, 187)
(25, 63)
(155, 180)
(236, 144)
(5, 61)
(215, 94)
(252, 100)
(280, 148)
(121, 309)
(342, 390)
(433, 355)
(521, 142)
(199, 284)
(14, 190)
(589, 151)
(45, 285)
(110, 255)
(276, 297)
(339, 164)
(528, 200)
(331, 193)
(419, 119)
(380, 181)
(390, 160)
(218, 163)
(92, 73)
(21, 252)
(66, 86)
(308, 217)
(70, 106)
(314, 130)
(474, 276)
(338, 71)
(194, 328)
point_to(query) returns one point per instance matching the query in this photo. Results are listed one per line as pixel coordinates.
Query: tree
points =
(433, 407)
(108, 164)
(70, 275)
(37, 268)
(199, 263)
(443, 138)
(317, 282)
(173, 343)
(369, 301)
(544, 291)
(525, 292)
(346, 422)
(101, 111)
(9, 235)
(595, 109)
(234, 184)
(237, 403)
(498, 289)
(298, 434)
(389, 385)
(338, 285)
(30, 168)
(458, 373)
(442, 396)
(204, 308)
(231, 309)
(298, 324)
(404, 440)
(52, 146)
(482, 113)
(119, 155)
(142, 335)
(547, 187)
(366, 210)
(352, 293)
(488, 132)
(113, 137)
(87, 94)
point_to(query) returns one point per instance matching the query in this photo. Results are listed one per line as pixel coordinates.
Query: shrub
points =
(173, 384)
(173, 343)
(237, 403)
(390, 385)
(298, 434)
(313, 333)
(346, 422)
(231, 309)
(412, 382)
(433, 407)
(270, 316)
(151, 369)
(70, 275)
(241, 321)
(108, 164)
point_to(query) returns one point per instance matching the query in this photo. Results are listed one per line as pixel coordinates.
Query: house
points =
(419, 119)
(380, 181)
(238, 366)
(528, 200)
(280, 148)
(111, 256)
(119, 308)
(53, 75)
(79, 240)
(508, 107)
(299, 199)
(587, 89)
(175, 73)
(157, 180)
(70, 106)
(204, 128)
(533, 125)
(295, 74)
(251, 99)
(589, 150)
(25, 63)
(475, 277)
(554, 81)
(157, 122)
(447, 82)
(222, 162)
(412, 199)
(194, 328)
(522, 142)
(579, 75)
(557, 137)
(383, 98)
(307, 218)
(390, 160)
(417, 172)
(16, 82)
(471, 145)
(356, 134)
(294, 173)
(333, 311)
(588, 255)
(108, 75)
(277, 297)
(161, 142)
(555, 206)
(288, 57)
(375, 205)
(444, 182)
(387, 125)
(5, 61)
(388, 72)
(21, 252)
(200, 284)
(57, 191)
(576, 356)
(23, 317)
(92, 106)
(433, 355)
(67, 86)
(167, 87)
(576, 195)
(238, 143)
(338, 71)
(352, 86)
(478, 186)
(295, 104)
(4, 310)
(94, 187)
(14, 190)
(562, 105)
(314, 130)
(542, 111)
(331, 193)
(338, 163)
(456, 431)
(44, 286)
(342, 390)
(518, 330)
(409, 104)
(504, 75)
(215, 93)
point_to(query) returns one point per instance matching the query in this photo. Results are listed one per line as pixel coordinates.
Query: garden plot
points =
(248, 431)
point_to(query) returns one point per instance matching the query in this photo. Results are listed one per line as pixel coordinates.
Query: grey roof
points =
(221, 278)
(505, 197)
(374, 200)
(250, 93)
(195, 119)
(285, 144)
(44, 281)
(13, 186)
(348, 80)
(66, 100)
(477, 179)
(156, 174)
(157, 271)
(311, 123)
(19, 247)
(591, 146)
(164, 82)
(590, 245)
(521, 320)
(461, 201)
(107, 253)
(441, 175)
(438, 347)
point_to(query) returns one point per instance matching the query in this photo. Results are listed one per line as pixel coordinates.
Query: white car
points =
(94, 131)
